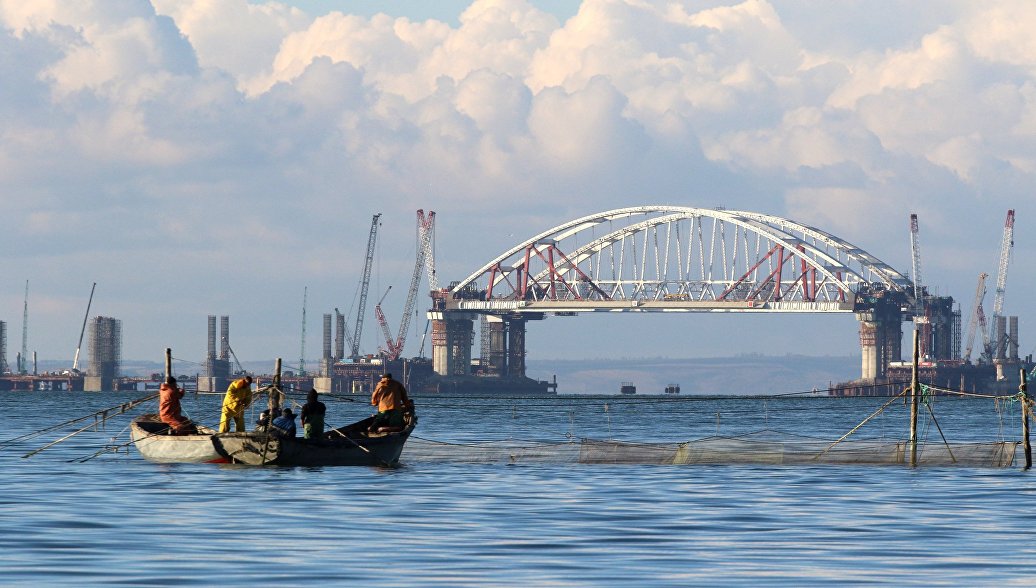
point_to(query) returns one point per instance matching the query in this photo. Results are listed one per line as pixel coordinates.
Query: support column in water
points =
(515, 347)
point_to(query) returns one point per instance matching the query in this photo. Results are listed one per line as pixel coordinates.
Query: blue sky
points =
(196, 157)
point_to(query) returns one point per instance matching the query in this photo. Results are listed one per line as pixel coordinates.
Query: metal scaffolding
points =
(105, 350)
(4, 367)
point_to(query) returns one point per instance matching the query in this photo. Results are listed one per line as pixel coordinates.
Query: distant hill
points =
(744, 374)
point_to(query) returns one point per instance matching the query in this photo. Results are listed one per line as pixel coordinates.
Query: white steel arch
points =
(682, 258)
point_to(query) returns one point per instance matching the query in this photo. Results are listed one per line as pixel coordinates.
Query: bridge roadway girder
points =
(880, 318)
(542, 307)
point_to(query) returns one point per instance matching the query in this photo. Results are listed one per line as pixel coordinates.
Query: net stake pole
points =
(1023, 392)
(913, 403)
(168, 363)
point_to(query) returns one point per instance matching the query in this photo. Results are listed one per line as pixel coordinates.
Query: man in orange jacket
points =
(169, 408)
(391, 399)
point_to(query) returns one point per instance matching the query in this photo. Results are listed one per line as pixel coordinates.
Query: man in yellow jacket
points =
(237, 399)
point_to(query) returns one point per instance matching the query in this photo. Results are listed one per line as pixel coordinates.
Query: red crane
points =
(393, 349)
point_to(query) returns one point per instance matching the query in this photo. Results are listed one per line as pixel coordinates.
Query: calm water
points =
(119, 520)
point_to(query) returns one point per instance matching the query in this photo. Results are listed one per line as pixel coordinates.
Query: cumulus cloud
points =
(191, 123)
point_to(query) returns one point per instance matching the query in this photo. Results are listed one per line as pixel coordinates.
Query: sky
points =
(200, 157)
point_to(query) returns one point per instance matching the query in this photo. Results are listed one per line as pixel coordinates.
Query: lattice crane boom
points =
(428, 245)
(915, 251)
(1005, 255)
(302, 350)
(389, 344)
(977, 315)
(364, 285)
(424, 235)
(999, 345)
(23, 358)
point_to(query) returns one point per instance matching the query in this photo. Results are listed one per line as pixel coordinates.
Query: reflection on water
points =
(117, 519)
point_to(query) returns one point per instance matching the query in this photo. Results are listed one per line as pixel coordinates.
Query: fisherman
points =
(284, 425)
(263, 423)
(169, 408)
(237, 399)
(312, 416)
(391, 399)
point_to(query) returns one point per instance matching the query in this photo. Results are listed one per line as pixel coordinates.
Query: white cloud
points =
(244, 136)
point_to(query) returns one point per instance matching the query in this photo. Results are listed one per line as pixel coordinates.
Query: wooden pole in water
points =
(914, 397)
(168, 363)
(1023, 390)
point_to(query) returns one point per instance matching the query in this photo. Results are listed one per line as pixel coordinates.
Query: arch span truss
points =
(673, 258)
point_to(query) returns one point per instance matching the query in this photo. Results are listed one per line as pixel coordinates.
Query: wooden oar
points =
(103, 413)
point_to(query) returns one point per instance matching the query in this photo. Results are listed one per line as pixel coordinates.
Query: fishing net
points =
(760, 448)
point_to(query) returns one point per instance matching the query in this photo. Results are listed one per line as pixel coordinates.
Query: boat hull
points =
(151, 438)
(269, 449)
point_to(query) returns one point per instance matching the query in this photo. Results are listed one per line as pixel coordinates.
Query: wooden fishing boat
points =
(350, 445)
(153, 440)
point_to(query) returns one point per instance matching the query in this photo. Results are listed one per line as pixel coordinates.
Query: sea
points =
(89, 510)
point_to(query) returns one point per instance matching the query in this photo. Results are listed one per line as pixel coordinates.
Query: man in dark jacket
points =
(312, 416)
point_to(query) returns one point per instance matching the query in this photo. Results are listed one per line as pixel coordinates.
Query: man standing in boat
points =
(169, 408)
(313, 412)
(391, 399)
(237, 399)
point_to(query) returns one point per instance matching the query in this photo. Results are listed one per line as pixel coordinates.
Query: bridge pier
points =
(451, 343)
(881, 334)
(515, 347)
(496, 340)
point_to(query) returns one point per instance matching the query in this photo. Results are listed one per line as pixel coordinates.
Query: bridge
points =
(671, 259)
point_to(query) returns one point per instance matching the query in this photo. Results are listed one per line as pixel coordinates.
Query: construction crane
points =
(977, 316)
(389, 344)
(345, 328)
(1001, 281)
(428, 243)
(23, 357)
(921, 319)
(75, 360)
(302, 351)
(427, 225)
(364, 285)
(394, 348)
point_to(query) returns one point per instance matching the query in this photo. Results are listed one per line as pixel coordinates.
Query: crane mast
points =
(302, 350)
(364, 285)
(23, 358)
(915, 250)
(424, 236)
(75, 360)
(427, 244)
(977, 315)
(921, 319)
(1001, 277)
(389, 345)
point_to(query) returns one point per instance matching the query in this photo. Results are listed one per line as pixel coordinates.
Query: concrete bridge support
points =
(451, 343)
(881, 336)
(496, 339)
(515, 347)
